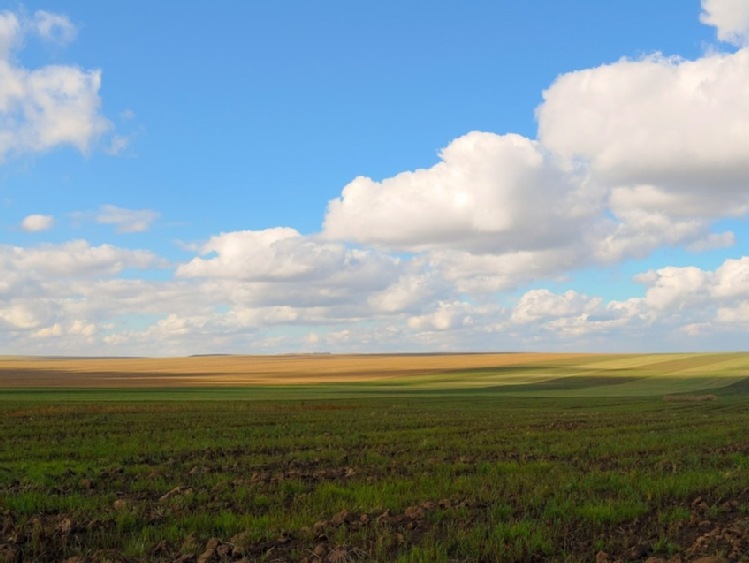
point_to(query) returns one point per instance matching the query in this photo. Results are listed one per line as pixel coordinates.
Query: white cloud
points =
(127, 220)
(49, 106)
(446, 316)
(731, 279)
(731, 17)
(288, 266)
(10, 33)
(494, 212)
(633, 156)
(411, 291)
(71, 259)
(488, 192)
(543, 304)
(269, 255)
(681, 126)
(54, 27)
(674, 288)
(488, 273)
(117, 144)
(36, 223)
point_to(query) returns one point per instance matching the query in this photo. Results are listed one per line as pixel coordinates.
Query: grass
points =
(548, 462)
(468, 478)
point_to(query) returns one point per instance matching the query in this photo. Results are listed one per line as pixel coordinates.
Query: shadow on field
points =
(568, 383)
(740, 387)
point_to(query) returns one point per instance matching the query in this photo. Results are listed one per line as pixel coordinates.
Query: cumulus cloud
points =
(473, 273)
(446, 316)
(675, 288)
(496, 211)
(731, 279)
(127, 220)
(416, 287)
(49, 106)
(282, 267)
(483, 195)
(543, 304)
(677, 124)
(71, 259)
(678, 300)
(270, 255)
(60, 290)
(730, 17)
(631, 156)
(36, 223)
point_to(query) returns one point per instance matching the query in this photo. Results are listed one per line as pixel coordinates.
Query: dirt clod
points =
(602, 557)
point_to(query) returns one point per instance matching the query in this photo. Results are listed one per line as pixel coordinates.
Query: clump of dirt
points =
(717, 531)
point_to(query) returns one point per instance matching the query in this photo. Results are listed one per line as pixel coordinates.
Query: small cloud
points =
(127, 114)
(118, 144)
(54, 27)
(127, 220)
(36, 223)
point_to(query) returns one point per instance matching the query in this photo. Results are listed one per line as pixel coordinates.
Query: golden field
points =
(211, 371)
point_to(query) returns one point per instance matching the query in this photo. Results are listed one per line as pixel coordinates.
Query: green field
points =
(620, 457)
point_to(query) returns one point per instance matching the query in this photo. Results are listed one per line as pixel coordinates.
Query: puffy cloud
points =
(277, 266)
(678, 300)
(674, 288)
(666, 139)
(269, 255)
(731, 17)
(543, 304)
(676, 124)
(35, 223)
(731, 279)
(412, 290)
(127, 220)
(496, 211)
(631, 156)
(49, 106)
(69, 260)
(446, 316)
(488, 192)
(488, 273)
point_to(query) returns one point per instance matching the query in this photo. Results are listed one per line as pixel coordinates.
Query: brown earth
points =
(716, 526)
(211, 371)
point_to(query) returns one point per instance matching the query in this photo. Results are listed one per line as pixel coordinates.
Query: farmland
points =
(480, 457)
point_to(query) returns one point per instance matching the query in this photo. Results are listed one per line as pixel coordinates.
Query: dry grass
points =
(245, 370)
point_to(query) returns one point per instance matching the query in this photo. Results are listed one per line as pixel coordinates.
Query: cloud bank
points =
(472, 253)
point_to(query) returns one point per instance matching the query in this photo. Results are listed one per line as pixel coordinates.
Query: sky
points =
(293, 176)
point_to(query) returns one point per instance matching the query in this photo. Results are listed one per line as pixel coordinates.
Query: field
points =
(503, 457)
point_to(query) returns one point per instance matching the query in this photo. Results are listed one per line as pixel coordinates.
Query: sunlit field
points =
(504, 457)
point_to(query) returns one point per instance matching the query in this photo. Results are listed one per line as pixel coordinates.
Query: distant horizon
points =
(369, 179)
(411, 354)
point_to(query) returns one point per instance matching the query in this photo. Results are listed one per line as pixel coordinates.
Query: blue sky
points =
(335, 176)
